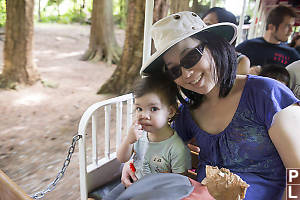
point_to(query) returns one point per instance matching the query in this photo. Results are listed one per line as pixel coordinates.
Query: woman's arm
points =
(243, 66)
(285, 133)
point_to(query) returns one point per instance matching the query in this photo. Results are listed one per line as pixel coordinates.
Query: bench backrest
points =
(103, 167)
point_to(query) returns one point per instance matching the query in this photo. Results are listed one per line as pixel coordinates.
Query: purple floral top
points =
(244, 146)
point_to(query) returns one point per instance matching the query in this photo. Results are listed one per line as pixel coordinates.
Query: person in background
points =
(217, 15)
(247, 124)
(294, 71)
(154, 146)
(290, 76)
(296, 42)
(271, 48)
(276, 72)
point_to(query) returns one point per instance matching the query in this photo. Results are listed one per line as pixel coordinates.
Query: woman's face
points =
(210, 19)
(199, 78)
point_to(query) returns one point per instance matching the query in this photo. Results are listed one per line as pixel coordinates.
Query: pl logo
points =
(293, 183)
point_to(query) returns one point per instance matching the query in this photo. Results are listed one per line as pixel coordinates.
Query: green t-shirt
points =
(168, 156)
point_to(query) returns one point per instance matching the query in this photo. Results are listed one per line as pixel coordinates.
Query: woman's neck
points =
(161, 134)
(213, 96)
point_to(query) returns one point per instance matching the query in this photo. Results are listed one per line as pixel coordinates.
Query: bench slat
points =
(107, 130)
(94, 138)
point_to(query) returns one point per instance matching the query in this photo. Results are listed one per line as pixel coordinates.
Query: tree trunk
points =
(82, 6)
(179, 5)
(200, 8)
(18, 60)
(102, 45)
(196, 7)
(58, 9)
(161, 8)
(128, 69)
(39, 11)
(75, 6)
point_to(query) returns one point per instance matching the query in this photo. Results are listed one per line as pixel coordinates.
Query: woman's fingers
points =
(128, 176)
(194, 148)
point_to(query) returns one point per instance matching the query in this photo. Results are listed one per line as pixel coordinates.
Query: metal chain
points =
(52, 185)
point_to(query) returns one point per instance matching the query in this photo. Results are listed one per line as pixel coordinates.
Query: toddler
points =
(151, 143)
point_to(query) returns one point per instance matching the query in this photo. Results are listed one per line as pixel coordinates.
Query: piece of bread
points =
(224, 185)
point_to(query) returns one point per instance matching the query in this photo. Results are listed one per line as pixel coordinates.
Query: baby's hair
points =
(276, 72)
(160, 85)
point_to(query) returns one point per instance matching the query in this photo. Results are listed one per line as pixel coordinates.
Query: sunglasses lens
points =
(192, 58)
(188, 61)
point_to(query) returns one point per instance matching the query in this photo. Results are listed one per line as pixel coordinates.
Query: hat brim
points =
(154, 64)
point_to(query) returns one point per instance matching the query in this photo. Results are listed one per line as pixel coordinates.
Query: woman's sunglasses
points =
(188, 61)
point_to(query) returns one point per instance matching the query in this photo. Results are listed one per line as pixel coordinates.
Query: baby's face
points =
(151, 112)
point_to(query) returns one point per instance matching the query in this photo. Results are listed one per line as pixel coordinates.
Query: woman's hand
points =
(192, 144)
(128, 176)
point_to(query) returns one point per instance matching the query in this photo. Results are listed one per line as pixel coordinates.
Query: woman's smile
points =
(196, 80)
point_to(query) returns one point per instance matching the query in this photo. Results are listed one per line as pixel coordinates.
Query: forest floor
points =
(37, 122)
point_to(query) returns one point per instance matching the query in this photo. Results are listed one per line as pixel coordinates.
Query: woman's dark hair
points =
(159, 84)
(276, 72)
(225, 60)
(222, 14)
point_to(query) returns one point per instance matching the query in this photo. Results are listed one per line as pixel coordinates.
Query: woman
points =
(217, 15)
(248, 124)
(296, 43)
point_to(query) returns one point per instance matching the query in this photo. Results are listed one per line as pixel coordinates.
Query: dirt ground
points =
(37, 122)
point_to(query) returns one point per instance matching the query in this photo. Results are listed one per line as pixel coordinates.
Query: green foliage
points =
(2, 13)
(77, 16)
(73, 11)
(68, 17)
(63, 11)
(250, 8)
(49, 84)
(120, 12)
(52, 2)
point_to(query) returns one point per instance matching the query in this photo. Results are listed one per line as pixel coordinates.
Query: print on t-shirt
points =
(283, 59)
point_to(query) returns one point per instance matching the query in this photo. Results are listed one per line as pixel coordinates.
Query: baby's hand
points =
(135, 132)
